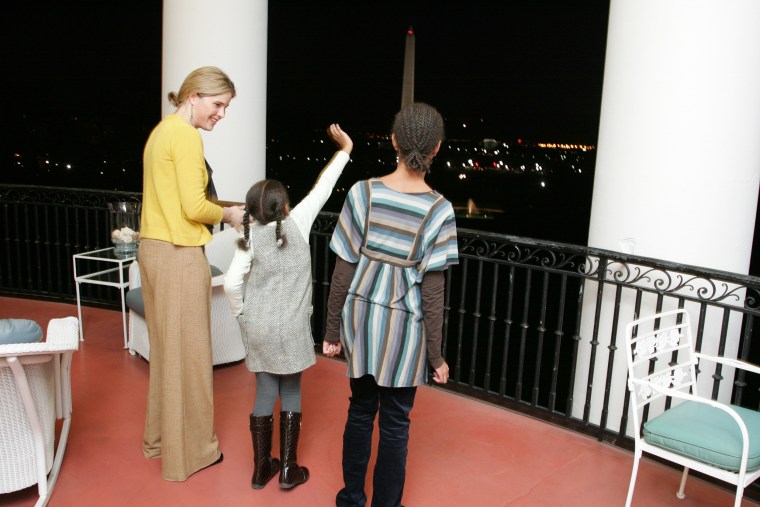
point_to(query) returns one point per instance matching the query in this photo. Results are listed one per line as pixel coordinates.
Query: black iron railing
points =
(42, 227)
(531, 325)
(537, 326)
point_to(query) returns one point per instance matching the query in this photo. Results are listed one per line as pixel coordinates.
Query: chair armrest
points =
(62, 336)
(134, 276)
(735, 363)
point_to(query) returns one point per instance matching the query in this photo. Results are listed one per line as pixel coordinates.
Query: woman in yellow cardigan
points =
(176, 278)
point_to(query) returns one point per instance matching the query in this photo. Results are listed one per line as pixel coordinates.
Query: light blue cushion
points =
(706, 434)
(135, 302)
(19, 331)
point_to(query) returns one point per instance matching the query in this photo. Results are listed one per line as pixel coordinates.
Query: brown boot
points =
(264, 466)
(291, 474)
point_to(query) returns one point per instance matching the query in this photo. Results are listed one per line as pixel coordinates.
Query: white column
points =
(678, 161)
(231, 35)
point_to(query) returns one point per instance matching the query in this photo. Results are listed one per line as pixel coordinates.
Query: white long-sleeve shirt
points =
(303, 215)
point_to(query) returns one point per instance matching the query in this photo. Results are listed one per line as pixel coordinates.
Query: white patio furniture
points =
(35, 390)
(226, 339)
(717, 439)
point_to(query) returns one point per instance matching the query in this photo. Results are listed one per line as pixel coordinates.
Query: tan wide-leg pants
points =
(179, 423)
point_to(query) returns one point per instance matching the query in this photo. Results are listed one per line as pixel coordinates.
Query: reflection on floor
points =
(462, 452)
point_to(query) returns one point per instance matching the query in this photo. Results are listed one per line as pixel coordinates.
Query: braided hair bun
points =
(418, 128)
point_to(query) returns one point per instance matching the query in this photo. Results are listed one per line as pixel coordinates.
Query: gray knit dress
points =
(277, 308)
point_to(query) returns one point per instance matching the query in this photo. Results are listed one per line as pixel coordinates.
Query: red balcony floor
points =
(461, 452)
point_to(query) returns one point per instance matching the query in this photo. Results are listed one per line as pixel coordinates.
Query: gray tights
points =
(269, 385)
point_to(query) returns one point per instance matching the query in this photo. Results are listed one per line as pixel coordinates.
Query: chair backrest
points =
(219, 252)
(221, 248)
(660, 354)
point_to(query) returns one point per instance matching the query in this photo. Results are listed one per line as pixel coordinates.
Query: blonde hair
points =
(203, 81)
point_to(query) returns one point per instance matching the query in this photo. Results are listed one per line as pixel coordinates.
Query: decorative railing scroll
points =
(707, 287)
(654, 275)
(523, 251)
(63, 197)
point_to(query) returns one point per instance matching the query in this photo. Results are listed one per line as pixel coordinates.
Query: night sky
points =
(518, 69)
(506, 69)
(82, 80)
(85, 58)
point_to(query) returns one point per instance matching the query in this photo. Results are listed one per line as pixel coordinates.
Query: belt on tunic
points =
(393, 261)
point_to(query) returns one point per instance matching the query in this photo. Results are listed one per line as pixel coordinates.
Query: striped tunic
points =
(394, 238)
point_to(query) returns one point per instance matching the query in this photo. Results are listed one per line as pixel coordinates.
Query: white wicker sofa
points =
(35, 390)
(226, 340)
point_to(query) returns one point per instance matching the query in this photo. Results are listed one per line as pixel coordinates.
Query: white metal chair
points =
(35, 390)
(226, 338)
(714, 438)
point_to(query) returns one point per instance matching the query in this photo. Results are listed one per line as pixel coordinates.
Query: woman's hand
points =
(233, 215)
(340, 138)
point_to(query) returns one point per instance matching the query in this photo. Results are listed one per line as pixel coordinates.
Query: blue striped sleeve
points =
(349, 231)
(443, 250)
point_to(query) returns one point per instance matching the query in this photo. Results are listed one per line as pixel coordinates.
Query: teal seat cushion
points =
(215, 271)
(706, 434)
(135, 302)
(19, 331)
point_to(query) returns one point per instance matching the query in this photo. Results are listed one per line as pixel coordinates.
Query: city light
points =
(561, 146)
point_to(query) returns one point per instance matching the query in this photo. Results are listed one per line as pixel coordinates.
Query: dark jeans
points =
(394, 404)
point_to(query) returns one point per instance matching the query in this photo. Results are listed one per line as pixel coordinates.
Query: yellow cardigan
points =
(174, 206)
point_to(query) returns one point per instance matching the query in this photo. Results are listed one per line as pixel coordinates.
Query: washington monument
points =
(407, 86)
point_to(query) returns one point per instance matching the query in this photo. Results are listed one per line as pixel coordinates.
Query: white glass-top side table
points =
(102, 267)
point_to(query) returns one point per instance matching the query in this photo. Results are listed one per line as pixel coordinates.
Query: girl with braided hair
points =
(273, 307)
(393, 241)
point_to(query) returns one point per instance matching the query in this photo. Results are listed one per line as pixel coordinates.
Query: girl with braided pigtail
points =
(394, 239)
(274, 253)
